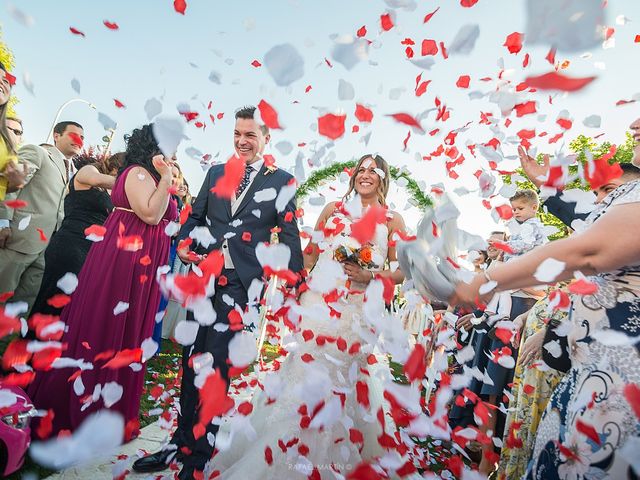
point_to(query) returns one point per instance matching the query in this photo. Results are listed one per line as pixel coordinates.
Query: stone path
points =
(151, 438)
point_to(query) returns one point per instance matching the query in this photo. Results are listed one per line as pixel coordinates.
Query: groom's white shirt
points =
(235, 203)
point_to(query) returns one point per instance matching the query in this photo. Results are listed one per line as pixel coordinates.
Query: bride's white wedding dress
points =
(320, 412)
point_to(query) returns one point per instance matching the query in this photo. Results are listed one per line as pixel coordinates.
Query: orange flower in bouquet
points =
(365, 255)
(342, 254)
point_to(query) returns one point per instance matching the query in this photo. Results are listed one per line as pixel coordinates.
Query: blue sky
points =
(159, 53)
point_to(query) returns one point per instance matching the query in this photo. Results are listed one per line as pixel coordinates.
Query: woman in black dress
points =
(88, 203)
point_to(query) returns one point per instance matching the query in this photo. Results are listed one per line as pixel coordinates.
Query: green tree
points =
(579, 146)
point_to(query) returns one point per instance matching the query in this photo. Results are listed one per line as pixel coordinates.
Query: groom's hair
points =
(247, 112)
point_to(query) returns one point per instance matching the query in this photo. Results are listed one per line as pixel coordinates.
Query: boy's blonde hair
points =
(526, 195)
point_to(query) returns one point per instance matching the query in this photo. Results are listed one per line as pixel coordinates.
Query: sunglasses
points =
(16, 131)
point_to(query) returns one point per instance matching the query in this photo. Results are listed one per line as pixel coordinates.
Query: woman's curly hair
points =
(141, 148)
(84, 159)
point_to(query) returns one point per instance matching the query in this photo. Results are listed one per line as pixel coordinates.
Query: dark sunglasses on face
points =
(16, 131)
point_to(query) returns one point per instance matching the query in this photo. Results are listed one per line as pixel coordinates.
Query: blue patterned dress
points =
(589, 430)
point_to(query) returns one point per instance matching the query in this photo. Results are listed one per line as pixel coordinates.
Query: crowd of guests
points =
(537, 347)
(98, 229)
(71, 224)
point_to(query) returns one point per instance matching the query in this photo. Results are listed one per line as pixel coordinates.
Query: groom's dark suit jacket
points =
(215, 213)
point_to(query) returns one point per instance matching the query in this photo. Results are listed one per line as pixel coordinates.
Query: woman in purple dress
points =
(112, 311)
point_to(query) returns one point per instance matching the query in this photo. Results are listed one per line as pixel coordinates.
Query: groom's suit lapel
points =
(255, 186)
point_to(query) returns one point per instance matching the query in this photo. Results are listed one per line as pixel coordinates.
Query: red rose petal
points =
(331, 126)
(269, 115)
(180, 6)
(227, 185)
(505, 212)
(463, 81)
(15, 204)
(429, 47)
(632, 394)
(124, 358)
(526, 108)
(59, 300)
(514, 42)
(364, 229)
(46, 425)
(407, 120)
(603, 172)
(557, 81)
(75, 31)
(583, 287)
(386, 22)
(415, 366)
(428, 16)
(10, 78)
(588, 431)
(110, 25)
(363, 114)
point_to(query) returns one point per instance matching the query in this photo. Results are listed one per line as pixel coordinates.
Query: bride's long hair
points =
(383, 186)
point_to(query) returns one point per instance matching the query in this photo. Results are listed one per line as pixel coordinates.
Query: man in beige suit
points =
(25, 230)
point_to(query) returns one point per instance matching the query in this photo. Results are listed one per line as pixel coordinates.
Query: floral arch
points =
(319, 177)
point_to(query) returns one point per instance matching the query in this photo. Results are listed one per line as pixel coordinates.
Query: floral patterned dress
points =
(532, 388)
(589, 429)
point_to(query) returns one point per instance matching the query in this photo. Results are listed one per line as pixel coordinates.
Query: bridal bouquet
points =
(363, 256)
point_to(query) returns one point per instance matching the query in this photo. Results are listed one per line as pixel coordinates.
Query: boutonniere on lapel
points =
(270, 164)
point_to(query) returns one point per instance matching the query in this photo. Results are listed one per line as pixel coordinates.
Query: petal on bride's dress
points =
(322, 407)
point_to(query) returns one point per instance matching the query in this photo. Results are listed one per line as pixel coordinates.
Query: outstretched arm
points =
(198, 208)
(90, 176)
(592, 251)
(148, 200)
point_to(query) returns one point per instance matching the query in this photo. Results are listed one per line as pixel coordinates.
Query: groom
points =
(237, 225)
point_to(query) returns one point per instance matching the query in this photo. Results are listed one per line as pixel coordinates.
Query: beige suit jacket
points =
(44, 194)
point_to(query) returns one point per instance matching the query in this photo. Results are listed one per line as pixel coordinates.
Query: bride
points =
(319, 413)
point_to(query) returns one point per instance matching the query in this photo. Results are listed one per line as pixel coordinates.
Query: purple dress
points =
(111, 277)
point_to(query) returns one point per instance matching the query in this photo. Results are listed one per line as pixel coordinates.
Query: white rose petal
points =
(549, 270)
(242, 349)
(186, 332)
(265, 195)
(111, 393)
(98, 437)
(24, 223)
(68, 283)
(120, 308)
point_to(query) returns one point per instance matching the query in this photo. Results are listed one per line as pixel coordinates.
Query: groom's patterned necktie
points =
(246, 179)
